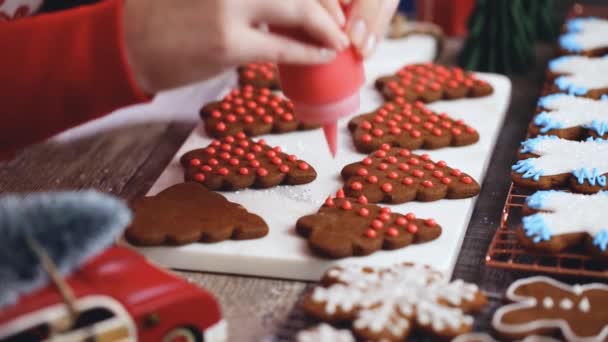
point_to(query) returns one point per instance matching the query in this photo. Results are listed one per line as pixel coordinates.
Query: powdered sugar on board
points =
(283, 254)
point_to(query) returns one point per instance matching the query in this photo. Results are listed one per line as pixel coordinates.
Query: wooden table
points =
(127, 162)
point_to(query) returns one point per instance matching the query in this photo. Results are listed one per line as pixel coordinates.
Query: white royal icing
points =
(548, 302)
(325, 333)
(566, 111)
(585, 34)
(566, 304)
(522, 302)
(581, 73)
(388, 297)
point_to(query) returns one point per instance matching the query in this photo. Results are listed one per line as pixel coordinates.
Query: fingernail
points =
(344, 41)
(370, 45)
(357, 33)
(341, 18)
(327, 54)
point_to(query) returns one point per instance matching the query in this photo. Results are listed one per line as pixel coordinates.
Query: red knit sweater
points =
(60, 70)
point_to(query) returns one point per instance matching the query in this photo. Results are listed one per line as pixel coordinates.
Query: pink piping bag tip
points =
(331, 136)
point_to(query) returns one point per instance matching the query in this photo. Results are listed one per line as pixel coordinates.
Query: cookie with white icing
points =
(585, 36)
(579, 75)
(325, 333)
(544, 306)
(549, 162)
(555, 221)
(388, 303)
(570, 117)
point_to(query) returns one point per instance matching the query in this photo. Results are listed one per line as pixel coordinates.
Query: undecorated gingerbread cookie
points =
(186, 213)
(547, 162)
(238, 162)
(388, 303)
(570, 117)
(585, 36)
(431, 82)
(544, 306)
(345, 227)
(412, 126)
(396, 175)
(555, 221)
(254, 111)
(259, 75)
(580, 75)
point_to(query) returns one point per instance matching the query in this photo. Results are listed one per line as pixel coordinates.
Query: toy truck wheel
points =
(181, 335)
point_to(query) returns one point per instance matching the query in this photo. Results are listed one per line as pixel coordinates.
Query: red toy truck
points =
(120, 297)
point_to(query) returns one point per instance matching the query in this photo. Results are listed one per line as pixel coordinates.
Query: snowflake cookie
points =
(544, 306)
(409, 125)
(580, 75)
(387, 303)
(556, 220)
(345, 227)
(431, 82)
(586, 36)
(570, 117)
(254, 111)
(396, 175)
(325, 333)
(238, 162)
(547, 162)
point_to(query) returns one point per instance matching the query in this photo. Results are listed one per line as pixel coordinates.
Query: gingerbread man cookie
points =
(544, 306)
(186, 213)
(430, 82)
(325, 333)
(345, 227)
(556, 220)
(387, 303)
(570, 117)
(547, 162)
(579, 75)
(259, 75)
(585, 36)
(396, 175)
(238, 162)
(252, 111)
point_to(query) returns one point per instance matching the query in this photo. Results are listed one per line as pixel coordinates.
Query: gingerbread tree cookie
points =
(570, 117)
(410, 126)
(238, 162)
(387, 303)
(430, 82)
(344, 227)
(586, 36)
(396, 175)
(580, 75)
(259, 75)
(252, 111)
(548, 162)
(544, 306)
(186, 213)
(557, 220)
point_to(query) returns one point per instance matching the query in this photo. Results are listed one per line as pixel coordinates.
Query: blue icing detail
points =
(576, 24)
(593, 176)
(537, 199)
(600, 240)
(570, 42)
(546, 122)
(528, 169)
(536, 228)
(604, 97)
(596, 140)
(530, 144)
(546, 101)
(554, 63)
(600, 127)
(572, 89)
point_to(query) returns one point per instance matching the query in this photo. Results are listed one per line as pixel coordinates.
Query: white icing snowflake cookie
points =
(548, 162)
(558, 220)
(588, 36)
(385, 304)
(571, 117)
(581, 75)
(544, 306)
(325, 333)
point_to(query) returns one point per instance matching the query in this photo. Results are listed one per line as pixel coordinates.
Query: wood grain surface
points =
(126, 162)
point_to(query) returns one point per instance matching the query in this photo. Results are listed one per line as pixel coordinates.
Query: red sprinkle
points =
(303, 166)
(393, 175)
(366, 138)
(284, 168)
(244, 171)
(367, 161)
(446, 180)
(220, 126)
(430, 222)
(408, 181)
(418, 173)
(455, 172)
(387, 187)
(340, 193)
(223, 171)
(356, 186)
(392, 231)
(347, 205)
(234, 162)
(441, 163)
(427, 184)
(329, 202)
(199, 177)
(364, 212)
(254, 163)
(206, 168)
(372, 179)
(412, 228)
(380, 153)
(384, 217)
(262, 172)
(370, 233)
(213, 162)
(401, 221)
(362, 199)
(404, 167)
(382, 166)
(362, 171)
(377, 224)
(195, 162)
(410, 216)
(466, 180)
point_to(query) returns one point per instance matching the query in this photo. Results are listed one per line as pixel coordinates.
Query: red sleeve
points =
(60, 70)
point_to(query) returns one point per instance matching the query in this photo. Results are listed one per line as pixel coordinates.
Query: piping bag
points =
(323, 93)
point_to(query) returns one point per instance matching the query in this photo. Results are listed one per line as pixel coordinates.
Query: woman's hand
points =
(368, 22)
(173, 43)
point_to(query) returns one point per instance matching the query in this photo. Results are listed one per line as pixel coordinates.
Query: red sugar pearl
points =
(466, 180)
(223, 171)
(277, 149)
(370, 233)
(384, 217)
(441, 163)
(356, 186)
(199, 177)
(347, 205)
(393, 175)
(230, 118)
(410, 216)
(254, 163)
(288, 117)
(250, 156)
(429, 166)
(385, 210)
(427, 184)
(268, 119)
(225, 155)
(220, 126)
(239, 151)
(284, 168)
(437, 132)
(372, 179)
(385, 147)
(377, 224)
(366, 138)
(260, 111)
(229, 139)
(412, 228)
(456, 131)
(292, 158)
(303, 166)
(244, 171)
(262, 172)
(382, 166)
(418, 173)
(364, 212)
(329, 202)
(340, 193)
(415, 134)
(380, 153)
(210, 150)
(425, 157)
(387, 187)
(216, 143)
(414, 161)
(277, 161)
(271, 154)
(367, 161)
(216, 114)
(392, 231)
(404, 167)
(446, 180)
(366, 125)
(456, 172)
(430, 222)
(395, 131)
(195, 162)
(405, 153)
(213, 162)
(256, 148)
(206, 168)
(408, 181)
(391, 160)
(401, 221)
(470, 129)
(234, 162)
(362, 171)
(437, 174)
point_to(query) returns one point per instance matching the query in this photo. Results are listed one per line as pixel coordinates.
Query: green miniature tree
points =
(543, 19)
